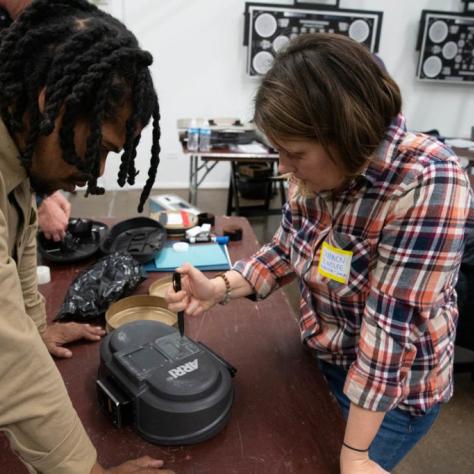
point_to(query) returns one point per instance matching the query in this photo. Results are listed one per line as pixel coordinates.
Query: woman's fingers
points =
(185, 269)
(195, 293)
(193, 307)
(180, 305)
(172, 296)
(180, 301)
(195, 276)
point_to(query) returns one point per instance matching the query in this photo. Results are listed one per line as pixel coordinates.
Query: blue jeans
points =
(400, 430)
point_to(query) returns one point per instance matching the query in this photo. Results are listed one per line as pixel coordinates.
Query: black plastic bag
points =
(91, 293)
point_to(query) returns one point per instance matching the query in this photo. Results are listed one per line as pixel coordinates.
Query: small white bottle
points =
(204, 137)
(193, 135)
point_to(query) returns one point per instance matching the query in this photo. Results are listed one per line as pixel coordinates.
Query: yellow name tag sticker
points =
(335, 263)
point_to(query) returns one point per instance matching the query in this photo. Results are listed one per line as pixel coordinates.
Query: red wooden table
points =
(283, 419)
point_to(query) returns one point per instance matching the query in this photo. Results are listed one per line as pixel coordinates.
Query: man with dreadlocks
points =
(54, 210)
(74, 85)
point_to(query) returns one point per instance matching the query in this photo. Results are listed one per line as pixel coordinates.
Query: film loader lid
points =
(171, 389)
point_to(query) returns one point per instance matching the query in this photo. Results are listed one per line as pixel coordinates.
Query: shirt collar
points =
(10, 166)
(387, 149)
(381, 159)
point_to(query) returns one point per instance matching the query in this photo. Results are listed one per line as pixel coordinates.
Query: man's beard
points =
(44, 187)
(40, 186)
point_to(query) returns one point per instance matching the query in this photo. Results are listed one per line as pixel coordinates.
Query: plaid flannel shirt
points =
(392, 325)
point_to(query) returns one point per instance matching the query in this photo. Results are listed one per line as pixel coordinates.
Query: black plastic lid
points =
(181, 392)
(82, 240)
(141, 237)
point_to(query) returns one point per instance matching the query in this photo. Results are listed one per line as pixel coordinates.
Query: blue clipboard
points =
(205, 256)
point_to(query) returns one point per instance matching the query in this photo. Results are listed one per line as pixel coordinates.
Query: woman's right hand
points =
(198, 293)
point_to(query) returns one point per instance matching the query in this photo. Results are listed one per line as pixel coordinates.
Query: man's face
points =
(50, 172)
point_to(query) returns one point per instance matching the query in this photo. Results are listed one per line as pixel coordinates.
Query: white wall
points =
(199, 71)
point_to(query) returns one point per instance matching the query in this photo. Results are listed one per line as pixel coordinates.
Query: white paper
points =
(253, 148)
(460, 143)
(174, 219)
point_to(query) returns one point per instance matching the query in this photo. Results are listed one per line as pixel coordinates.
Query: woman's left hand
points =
(353, 462)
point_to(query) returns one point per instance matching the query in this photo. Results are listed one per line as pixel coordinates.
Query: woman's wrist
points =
(353, 448)
(349, 453)
(349, 458)
(220, 289)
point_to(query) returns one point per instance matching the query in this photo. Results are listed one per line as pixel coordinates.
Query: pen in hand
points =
(177, 287)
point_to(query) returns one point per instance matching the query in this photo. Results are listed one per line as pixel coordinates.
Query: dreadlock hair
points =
(89, 65)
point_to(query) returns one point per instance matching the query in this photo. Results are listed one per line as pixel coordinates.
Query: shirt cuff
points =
(37, 312)
(74, 455)
(371, 394)
(258, 276)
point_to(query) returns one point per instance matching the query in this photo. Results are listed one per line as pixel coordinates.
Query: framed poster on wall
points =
(317, 3)
(446, 45)
(269, 28)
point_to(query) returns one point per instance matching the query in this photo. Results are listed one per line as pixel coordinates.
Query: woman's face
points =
(309, 162)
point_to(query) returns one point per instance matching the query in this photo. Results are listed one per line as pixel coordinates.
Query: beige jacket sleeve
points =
(34, 301)
(35, 411)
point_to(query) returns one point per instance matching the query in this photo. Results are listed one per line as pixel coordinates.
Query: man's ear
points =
(42, 99)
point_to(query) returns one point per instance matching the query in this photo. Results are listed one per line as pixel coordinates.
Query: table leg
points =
(282, 193)
(235, 191)
(230, 193)
(268, 193)
(192, 197)
(190, 178)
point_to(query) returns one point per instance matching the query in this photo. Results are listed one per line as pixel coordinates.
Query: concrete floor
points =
(449, 446)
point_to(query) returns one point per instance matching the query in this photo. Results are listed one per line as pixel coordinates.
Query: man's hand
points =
(353, 462)
(53, 216)
(58, 334)
(143, 465)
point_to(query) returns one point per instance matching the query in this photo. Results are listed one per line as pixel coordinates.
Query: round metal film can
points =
(139, 308)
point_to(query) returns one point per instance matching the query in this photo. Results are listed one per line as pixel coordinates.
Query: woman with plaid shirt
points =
(373, 230)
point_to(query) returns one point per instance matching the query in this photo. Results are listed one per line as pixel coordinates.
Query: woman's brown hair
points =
(328, 88)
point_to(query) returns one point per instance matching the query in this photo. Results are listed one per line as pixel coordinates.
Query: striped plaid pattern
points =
(392, 325)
